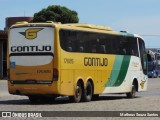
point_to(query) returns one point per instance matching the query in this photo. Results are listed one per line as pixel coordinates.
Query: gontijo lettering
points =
(91, 61)
(30, 48)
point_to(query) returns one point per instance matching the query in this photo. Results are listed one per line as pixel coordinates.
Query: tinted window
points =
(133, 46)
(88, 42)
(143, 55)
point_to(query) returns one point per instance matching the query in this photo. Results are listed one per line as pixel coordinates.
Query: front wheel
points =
(155, 75)
(132, 94)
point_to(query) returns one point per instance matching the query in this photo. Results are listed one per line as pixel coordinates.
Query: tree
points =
(56, 13)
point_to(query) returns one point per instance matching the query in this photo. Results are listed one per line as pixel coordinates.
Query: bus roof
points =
(76, 25)
(99, 27)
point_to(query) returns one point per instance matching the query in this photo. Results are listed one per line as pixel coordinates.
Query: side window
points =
(93, 42)
(115, 45)
(108, 44)
(123, 46)
(84, 41)
(63, 41)
(143, 55)
(120, 45)
(105, 45)
(102, 46)
(133, 46)
(89, 42)
(68, 40)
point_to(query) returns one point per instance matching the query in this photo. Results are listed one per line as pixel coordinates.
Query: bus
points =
(81, 61)
(157, 56)
(153, 64)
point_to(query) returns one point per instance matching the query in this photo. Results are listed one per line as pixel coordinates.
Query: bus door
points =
(143, 69)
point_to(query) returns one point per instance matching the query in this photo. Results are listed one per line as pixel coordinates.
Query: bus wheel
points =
(132, 94)
(154, 75)
(78, 94)
(88, 92)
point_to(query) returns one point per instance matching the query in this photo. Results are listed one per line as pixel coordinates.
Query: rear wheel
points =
(156, 75)
(78, 94)
(132, 94)
(88, 92)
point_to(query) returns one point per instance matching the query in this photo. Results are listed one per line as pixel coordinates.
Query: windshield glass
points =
(150, 67)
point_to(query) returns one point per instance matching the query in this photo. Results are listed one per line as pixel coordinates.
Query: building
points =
(12, 20)
(3, 53)
(3, 42)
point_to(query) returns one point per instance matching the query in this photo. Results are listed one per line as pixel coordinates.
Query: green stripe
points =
(123, 71)
(119, 71)
(115, 71)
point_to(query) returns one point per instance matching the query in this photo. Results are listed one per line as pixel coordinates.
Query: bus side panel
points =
(132, 73)
(66, 83)
(76, 66)
(142, 81)
(118, 75)
(98, 86)
(103, 74)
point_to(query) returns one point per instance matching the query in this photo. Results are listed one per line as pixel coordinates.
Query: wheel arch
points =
(135, 83)
(80, 80)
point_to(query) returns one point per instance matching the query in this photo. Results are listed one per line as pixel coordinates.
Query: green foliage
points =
(56, 13)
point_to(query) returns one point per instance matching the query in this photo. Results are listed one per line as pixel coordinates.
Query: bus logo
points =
(31, 33)
(142, 84)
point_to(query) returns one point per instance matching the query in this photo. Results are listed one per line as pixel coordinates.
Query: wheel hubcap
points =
(78, 92)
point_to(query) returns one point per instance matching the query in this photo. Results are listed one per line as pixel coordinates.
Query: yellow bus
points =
(82, 61)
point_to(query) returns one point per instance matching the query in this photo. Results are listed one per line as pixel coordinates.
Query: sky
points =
(135, 16)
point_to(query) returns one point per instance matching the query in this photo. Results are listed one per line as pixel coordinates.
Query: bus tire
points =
(155, 75)
(77, 94)
(132, 94)
(88, 92)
